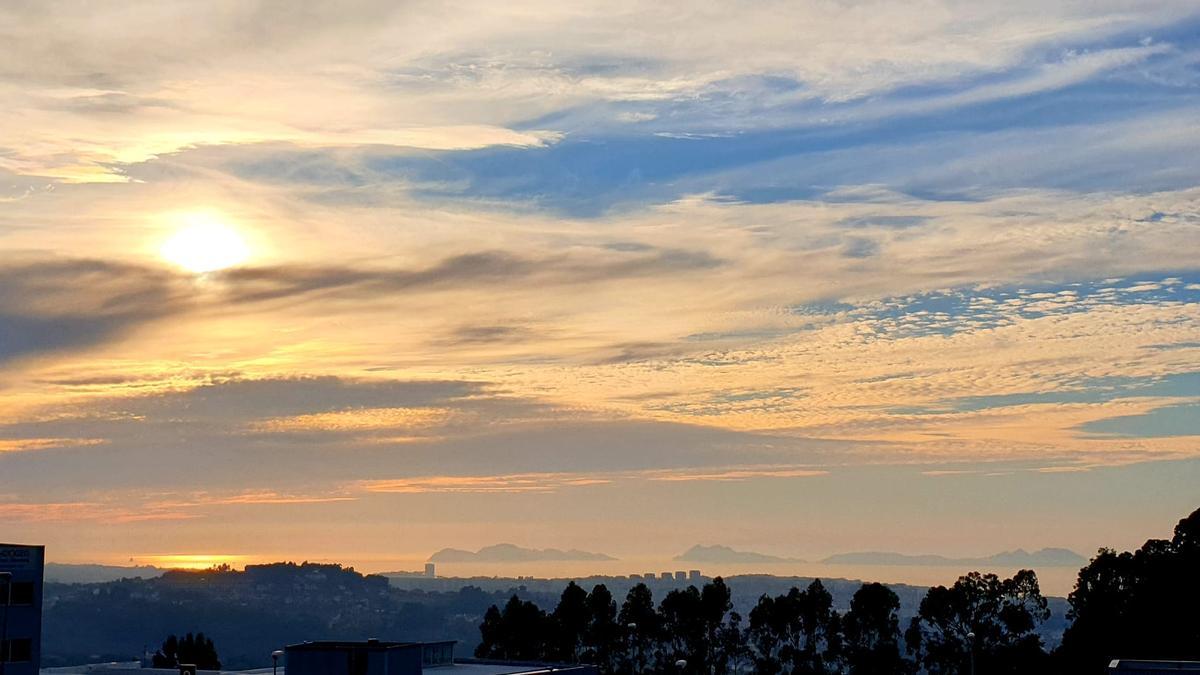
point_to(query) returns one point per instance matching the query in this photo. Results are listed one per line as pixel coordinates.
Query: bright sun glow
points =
(192, 562)
(205, 244)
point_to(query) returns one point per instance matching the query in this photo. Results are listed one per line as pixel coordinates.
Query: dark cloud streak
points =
(52, 305)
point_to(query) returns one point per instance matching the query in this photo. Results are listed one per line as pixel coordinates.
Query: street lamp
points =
(971, 647)
(5, 650)
(275, 661)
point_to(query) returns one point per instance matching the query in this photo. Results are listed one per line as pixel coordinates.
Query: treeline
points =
(1128, 605)
(249, 614)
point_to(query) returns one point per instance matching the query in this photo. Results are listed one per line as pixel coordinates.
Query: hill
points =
(724, 554)
(91, 574)
(513, 553)
(1046, 557)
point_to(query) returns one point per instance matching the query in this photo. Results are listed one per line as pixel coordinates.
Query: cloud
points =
(93, 512)
(738, 474)
(558, 481)
(52, 305)
(254, 284)
(513, 483)
(58, 305)
(473, 75)
(30, 444)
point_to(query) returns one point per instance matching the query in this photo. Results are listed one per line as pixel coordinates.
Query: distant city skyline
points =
(359, 283)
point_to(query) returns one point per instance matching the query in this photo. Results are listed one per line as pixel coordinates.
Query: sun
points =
(203, 244)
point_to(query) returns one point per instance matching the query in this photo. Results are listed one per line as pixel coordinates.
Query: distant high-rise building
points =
(430, 571)
(648, 576)
(681, 576)
(666, 576)
(694, 575)
(21, 573)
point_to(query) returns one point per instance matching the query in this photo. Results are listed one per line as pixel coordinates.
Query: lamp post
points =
(6, 577)
(275, 661)
(634, 648)
(971, 647)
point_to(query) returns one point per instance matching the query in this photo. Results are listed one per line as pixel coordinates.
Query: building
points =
(1153, 667)
(21, 572)
(340, 657)
(694, 575)
(666, 576)
(354, 658)
(681, 576)
(430, 570)
(376, 657)
(648, 576)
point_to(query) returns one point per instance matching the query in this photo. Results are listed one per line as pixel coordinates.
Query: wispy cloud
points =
(513, 483)
(736, 474)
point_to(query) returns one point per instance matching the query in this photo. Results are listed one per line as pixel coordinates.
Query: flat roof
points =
(351, 644)
(495, 668)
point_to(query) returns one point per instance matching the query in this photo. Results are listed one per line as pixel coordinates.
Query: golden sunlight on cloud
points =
(736, 474)
(27, 444)
(365, 419)
(529, 482)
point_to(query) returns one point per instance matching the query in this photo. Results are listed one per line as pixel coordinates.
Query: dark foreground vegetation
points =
(1140, 604)
(1143, 604)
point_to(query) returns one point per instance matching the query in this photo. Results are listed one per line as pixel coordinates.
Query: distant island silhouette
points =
(1046, 557)
(723, 554)
(514, 553)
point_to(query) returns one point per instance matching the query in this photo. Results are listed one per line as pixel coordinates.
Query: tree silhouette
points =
(822, 631)
(797, 632)
(518, 633)
(871, 632)
(1002, 615)
(642, 625)
(197, 650)
(603, 635)
(571, 618)
(1137, 605)
(683, 630)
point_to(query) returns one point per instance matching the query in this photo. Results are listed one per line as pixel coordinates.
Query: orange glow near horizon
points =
(194, 561)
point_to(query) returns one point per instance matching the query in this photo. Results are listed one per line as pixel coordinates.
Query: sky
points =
(288, 280)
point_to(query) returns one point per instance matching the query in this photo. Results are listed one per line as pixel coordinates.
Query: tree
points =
(602, 637)
(517, 633)
(822, 631)
(775, 632)
(732, 653)
(683, 630)
(871, 633)
(571, 618)
(197, 650)
(1002, 615)
(642, 625)
(697, 625)
(797, 632)
(719, 626)
(1137, 605)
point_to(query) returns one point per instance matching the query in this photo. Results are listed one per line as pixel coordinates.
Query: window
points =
(22, 593)
(17, 649)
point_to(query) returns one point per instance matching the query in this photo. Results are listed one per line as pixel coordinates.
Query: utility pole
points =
(971, 647)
